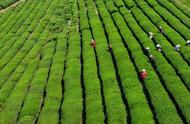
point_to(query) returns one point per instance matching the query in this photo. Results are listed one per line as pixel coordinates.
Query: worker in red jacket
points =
(143, 74)
(93, 43)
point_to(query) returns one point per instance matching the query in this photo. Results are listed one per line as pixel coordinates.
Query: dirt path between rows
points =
(12, 5)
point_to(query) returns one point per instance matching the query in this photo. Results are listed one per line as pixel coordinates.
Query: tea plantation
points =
(80, 62)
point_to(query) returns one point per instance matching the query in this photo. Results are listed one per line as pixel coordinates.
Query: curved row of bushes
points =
(13, 15)
(8, 14)
(9, 115)
(10, 29)
(175, 11)
(12, 106)
(10, 82)
(16, 50)
(172, 36)
(171, 20)
(168, 49)
(181, 7)
(13, 75)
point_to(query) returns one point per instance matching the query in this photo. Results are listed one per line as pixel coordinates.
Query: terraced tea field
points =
(50, 74)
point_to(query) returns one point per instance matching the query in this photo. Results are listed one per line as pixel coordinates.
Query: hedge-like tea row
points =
(51, 106)
(170, 33)
(36, 90)
(181, 7)
(152, 83)
(138, 106)
(157, 92)
(115, 107)
(10, 54)
(72, 106)
(9, 85)
(9, 29)
(172, 20)
(9, 112)
(32, 103)
(93, 86)
(13, 78)
(15, 20)
(170, 74)
(15, 35)
(17, 74)
(154, 17)
(159, 109)
(51, 74)
(94, 108)
(164, 68)
(5, 16)
(168, 50)
(171, 8)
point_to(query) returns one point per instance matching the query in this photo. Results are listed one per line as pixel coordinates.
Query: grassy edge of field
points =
(184, 2)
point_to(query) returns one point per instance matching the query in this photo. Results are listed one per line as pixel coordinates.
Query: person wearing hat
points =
(161, 30)
(188, 43)
(159, 48)
(147, 50)
(110, 48)
(151, 57)
(151, 35)
(177, 47)
(143, 74)
(93, 43)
